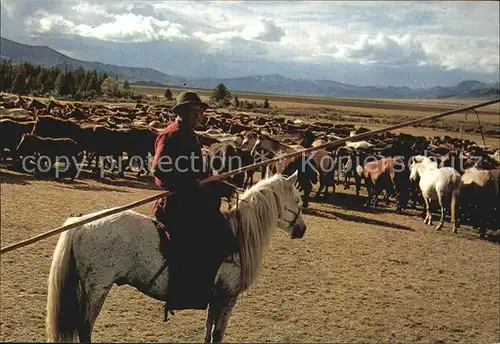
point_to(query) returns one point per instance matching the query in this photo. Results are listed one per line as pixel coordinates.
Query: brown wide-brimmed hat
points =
(186, 98)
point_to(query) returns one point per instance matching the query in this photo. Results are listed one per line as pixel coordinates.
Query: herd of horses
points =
(463, 183)
(458, 175)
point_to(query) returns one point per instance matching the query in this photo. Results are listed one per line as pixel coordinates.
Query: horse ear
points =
(293, 178)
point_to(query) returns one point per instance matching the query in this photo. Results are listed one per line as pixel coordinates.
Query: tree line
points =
(26, 78)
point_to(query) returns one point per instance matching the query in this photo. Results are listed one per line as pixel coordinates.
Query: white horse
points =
(125, 249)
(437, 184)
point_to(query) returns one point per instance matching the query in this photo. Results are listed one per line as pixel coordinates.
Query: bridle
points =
(295, 214)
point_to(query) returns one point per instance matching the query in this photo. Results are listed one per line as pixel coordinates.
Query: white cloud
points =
(88, 9)
(385, 50)
(460, 36)
(467, 53)
(264, 30)
(120, 28)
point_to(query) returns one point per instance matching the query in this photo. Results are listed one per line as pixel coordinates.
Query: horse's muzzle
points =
(298, 231)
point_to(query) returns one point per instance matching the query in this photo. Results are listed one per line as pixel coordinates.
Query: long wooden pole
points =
(234, 172)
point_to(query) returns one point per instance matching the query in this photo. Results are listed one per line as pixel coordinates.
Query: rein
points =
(296, 214)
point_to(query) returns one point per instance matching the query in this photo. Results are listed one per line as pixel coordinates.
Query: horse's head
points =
(249, 140)
(414, 163)
(290, 214)
(418, 163)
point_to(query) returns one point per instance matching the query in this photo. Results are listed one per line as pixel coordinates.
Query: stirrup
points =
(166, 311)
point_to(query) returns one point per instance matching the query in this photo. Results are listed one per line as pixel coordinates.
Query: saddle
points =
(193, 266)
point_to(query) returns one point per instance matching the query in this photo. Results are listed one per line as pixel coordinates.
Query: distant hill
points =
(49, 57)
(257, 83)
(280, 84)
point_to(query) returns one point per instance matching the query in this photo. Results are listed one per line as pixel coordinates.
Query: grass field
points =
(412, 106)
(358, 275)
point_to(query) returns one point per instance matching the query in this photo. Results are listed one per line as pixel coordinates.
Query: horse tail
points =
(62, 298)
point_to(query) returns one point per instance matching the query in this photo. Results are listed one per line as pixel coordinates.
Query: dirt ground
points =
(358, 275)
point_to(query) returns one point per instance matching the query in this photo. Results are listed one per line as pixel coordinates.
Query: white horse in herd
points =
(437, 184)
(126, 249)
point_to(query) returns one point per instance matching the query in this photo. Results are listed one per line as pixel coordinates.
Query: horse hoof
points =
(438, 228)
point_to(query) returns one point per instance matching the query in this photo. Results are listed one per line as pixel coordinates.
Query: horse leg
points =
(376, 192)
(346, 180)
(333, 182)
(453, 209)
(320, 189)
(307, 191)
(72, 168)
(428, 216)
(218, 316)
(357, 180)
(98, 160)
(209, 323)
(120, 163)
(89, 158)
(385, 199)
(441, 205)
(143, 168)
(92, 306)
(370, 195)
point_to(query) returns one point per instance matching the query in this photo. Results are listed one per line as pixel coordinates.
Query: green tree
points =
(41, 81)
(6, 75)
(62, 85)
(221, 93)
(30, 83)
(19, 84)
(110, 86)
(70, 81)
(126, 85)
(93, 83)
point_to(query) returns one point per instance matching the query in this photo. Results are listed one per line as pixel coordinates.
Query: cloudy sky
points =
(416, 44)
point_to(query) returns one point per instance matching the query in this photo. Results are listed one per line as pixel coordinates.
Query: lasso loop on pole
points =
(480, 127)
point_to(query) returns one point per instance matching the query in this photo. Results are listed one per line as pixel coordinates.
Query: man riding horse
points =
(200, 235)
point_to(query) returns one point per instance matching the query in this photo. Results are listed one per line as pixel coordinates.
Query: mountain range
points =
(257, 83)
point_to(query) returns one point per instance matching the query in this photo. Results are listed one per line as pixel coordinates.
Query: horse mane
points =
(257, 209)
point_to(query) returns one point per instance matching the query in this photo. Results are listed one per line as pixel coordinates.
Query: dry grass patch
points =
(357, 276)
